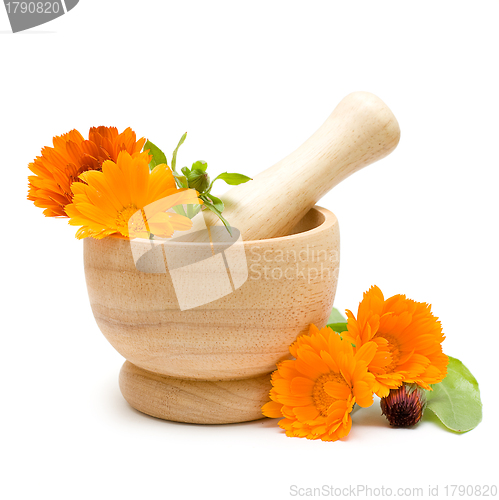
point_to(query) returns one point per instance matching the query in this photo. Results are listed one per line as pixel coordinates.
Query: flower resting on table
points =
(316, 392)
(58, 167)
(105, 202)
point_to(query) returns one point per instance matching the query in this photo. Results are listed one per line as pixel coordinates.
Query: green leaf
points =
(174, 155)
(180, 210)
(210, 206)
(200, 165)
(232, 179)
(217, 202)
(181, 180)
(338, 327)
(456, 400)
(193, 210)
(185, 171)
(337, 321)
(336, 317)
(158, 157)
(225, 223)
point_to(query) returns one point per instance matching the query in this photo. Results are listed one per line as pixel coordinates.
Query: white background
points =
(249, 82)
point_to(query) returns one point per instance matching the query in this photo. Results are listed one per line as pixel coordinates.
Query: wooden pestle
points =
(360, 131)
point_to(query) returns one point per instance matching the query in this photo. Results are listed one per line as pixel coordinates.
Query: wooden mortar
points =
(210, 361)
(211, 364)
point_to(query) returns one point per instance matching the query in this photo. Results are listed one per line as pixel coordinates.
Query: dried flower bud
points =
(404, 406)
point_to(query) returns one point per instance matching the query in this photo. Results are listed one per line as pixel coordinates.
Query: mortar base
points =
(194, 401)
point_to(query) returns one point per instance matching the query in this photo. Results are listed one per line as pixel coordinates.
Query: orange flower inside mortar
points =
(126, 199)
(58, 167)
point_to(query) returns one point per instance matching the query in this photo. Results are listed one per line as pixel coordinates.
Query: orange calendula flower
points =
(125, 198)
(316, 392)
(60, 166)
(409, 340)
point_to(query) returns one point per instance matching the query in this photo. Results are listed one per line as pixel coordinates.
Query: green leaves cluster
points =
(196, 178)
(455, 401)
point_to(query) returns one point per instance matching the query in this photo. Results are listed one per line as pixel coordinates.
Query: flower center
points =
(393, 348)
(322, 400)
(123, 218)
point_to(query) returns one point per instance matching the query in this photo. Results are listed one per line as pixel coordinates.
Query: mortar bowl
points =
(211, 363)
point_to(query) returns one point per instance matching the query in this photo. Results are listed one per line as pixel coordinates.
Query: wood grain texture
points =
(360, 131)
(194, 401)
(291, 283)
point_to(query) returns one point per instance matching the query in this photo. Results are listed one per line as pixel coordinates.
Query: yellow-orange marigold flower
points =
(316, 392)
(409, 339)
(105, 202)
(58, 167)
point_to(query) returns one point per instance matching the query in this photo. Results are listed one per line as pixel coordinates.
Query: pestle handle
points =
(360, 131)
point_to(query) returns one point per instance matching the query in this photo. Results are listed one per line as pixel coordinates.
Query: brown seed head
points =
(404, 406)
